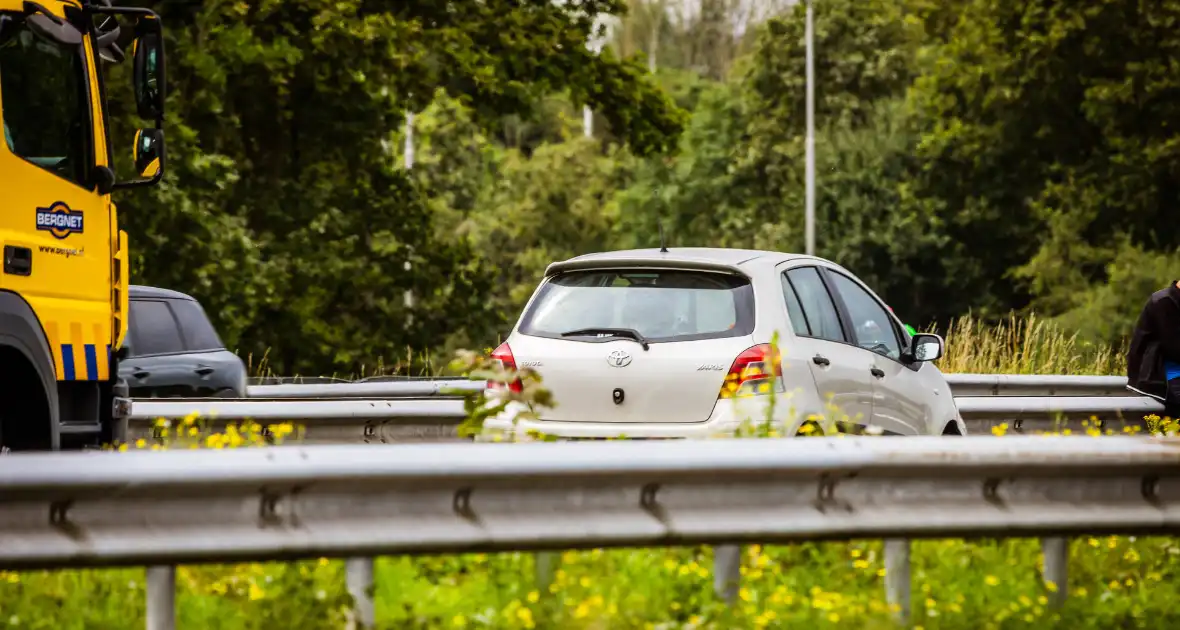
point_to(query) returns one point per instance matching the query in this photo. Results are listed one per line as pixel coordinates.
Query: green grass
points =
(1114, 582)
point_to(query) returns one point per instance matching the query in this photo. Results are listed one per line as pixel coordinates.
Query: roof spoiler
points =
(579, 264)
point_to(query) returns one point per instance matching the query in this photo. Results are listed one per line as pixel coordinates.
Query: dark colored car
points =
(173, 350)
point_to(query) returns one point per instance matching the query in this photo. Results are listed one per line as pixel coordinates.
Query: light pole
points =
(810, 168)
(595, 45)
(409, 163)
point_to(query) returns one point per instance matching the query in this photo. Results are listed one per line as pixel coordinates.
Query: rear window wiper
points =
(616, 332)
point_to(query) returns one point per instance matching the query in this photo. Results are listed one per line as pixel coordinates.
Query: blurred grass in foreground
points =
(1123, 582)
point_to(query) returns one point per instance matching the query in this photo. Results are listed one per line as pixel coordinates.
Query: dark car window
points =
(822, 319)
(661, 304)
(874, 329)
(198, 332)
(153, 328)
(46, 105)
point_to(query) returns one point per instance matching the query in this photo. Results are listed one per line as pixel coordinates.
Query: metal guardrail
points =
(144, 507)
(380, 389)
(1037, 385)
(348, 420)
(324, 421)
(1024, 385)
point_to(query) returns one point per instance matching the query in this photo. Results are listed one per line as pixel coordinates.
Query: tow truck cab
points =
(63, 288)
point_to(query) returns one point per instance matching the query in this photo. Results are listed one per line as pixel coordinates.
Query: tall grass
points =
(1024, 346)
(1014, 345)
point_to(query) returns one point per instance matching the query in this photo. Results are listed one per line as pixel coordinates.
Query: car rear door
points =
(157, 366)
(899, 398)
(216, 371)
(841, 370)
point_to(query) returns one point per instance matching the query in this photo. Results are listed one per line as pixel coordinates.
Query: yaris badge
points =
(618, 358)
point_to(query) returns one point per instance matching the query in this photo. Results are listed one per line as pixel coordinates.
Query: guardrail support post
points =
(1055, 552)
(161, 598)
(897, 576)
(727, 571)
(358, 576)
(544, 568)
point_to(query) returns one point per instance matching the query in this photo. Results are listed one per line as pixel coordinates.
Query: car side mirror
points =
(924, 347)
(149, 153)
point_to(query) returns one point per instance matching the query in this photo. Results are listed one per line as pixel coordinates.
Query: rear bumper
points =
(727, 417)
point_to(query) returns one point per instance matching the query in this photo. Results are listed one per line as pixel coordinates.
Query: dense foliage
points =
(972, 156)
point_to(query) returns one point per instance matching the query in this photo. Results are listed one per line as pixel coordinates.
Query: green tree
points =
(285, 210)
(1050, 147)
(558, 203)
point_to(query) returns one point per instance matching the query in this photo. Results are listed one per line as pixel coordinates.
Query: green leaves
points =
(285, 211)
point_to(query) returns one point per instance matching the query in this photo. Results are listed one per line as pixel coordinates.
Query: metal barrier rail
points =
(323, 421)
(157, 508)
(961, 385)
(380, 389)
(347, 420)
(1037, 385)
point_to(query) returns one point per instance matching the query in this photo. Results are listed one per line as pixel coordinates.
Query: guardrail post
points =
(727, 571)
(358, 577)
(897, 576)
(161, 598)
(544, 568)
(1055, 552)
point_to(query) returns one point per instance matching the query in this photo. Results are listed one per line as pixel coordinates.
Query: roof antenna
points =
(663, 247)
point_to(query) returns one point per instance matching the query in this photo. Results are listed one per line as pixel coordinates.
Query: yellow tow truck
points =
(63, 290)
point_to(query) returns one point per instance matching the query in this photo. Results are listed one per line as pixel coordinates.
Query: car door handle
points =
(820, 359)
(18, 261)
(878, 372)
(204, 370)
(141, 374)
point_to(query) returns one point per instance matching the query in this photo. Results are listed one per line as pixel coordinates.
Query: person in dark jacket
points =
(1153, 361)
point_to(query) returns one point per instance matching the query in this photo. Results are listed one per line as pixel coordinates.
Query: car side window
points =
(153, 328)
(870, 320)
(46, 105)
(795, 309)
(820, 311)
(199, 334)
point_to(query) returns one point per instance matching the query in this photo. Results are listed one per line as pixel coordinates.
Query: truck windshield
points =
(45, 101)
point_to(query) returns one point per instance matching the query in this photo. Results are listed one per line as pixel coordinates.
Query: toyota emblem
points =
(618, 358)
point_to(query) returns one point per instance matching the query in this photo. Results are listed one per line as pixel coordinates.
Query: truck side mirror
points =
(149, 153)
(149, 72)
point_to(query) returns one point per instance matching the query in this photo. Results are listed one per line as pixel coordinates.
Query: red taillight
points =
(503, 356)
(750, 375)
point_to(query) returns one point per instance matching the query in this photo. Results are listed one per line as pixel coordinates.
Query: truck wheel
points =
(25, 422)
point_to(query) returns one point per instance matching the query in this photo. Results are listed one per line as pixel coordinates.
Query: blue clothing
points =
(1172, 369)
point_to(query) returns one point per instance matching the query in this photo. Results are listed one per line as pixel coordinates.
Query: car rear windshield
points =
(661, 305)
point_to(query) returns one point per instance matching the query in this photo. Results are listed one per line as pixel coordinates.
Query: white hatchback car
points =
(677, 344)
